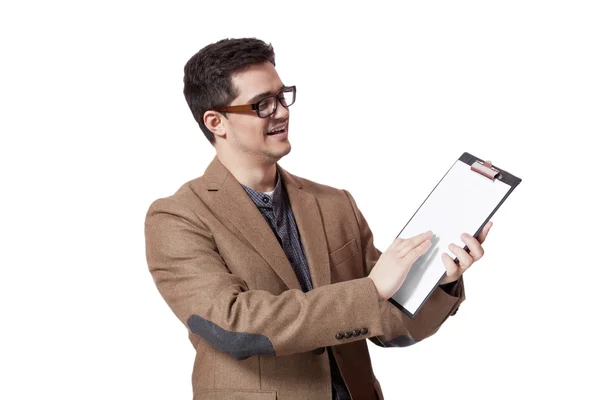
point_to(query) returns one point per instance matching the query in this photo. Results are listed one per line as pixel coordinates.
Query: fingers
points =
(415, 239)
(395, 243)
(465, 260)
(417, 252)
(452, 270)
(475, 248)
(484, 232)
(407, 245)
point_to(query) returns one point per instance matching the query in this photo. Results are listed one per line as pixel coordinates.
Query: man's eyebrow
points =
(263, 95)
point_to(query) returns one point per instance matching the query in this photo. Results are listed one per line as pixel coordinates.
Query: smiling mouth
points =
(278, 130)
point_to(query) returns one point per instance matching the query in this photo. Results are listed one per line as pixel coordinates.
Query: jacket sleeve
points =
(220, 308)
(399, 330)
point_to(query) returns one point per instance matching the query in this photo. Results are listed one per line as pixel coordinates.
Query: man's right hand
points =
(392, 267)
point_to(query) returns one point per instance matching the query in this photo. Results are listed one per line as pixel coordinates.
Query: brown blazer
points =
(221, 270)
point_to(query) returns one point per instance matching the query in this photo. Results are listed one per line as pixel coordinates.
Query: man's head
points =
(234, 72)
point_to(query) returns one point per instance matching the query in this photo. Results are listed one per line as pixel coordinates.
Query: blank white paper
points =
(461, 202)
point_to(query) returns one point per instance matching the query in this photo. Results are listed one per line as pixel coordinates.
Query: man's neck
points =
(261, 177)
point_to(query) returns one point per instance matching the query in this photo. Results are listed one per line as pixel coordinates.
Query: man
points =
(275, 276)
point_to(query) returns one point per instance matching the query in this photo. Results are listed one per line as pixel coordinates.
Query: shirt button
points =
(265, 199)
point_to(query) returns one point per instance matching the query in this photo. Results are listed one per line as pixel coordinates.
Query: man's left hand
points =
(465, 260)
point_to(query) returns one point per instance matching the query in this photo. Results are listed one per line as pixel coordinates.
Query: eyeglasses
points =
(267, 106)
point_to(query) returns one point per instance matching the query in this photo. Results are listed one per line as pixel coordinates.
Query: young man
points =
(275, 276)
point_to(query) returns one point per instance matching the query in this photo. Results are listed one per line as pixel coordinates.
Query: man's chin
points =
(277, 155)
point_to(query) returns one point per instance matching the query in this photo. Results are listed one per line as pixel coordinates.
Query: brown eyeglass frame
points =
(254, 107)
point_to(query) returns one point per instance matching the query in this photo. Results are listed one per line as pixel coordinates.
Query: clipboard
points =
(464, 200)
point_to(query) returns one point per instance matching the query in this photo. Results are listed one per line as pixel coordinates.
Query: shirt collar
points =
(263, 200)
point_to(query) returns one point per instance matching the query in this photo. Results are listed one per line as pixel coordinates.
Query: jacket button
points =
(320, 350)
(356, 332)
(339, 336)
(364, 331)
(348, 334)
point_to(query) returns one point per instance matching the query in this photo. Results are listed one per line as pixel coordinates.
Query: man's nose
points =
(282, 112)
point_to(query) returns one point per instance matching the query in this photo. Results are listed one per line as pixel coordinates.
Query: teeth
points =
(277, 131)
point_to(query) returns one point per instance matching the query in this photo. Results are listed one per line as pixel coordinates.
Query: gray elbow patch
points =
(400, 341)
(240, 345)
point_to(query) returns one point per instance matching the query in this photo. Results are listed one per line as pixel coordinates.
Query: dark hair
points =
(207, 75)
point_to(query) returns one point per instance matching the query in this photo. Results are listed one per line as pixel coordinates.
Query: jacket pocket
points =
(343, 253)
(235, 394)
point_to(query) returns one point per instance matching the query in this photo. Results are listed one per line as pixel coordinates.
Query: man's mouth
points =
(277, 130)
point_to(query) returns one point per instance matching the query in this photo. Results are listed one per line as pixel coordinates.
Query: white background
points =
(94, 127)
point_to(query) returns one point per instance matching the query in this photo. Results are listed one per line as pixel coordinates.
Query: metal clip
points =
(485, 169)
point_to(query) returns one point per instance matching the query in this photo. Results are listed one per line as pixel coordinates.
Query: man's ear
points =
(215, 121)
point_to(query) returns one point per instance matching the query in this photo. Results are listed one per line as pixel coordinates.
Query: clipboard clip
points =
(486, 169)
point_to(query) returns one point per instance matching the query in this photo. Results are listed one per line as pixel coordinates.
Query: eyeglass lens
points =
(268, 105)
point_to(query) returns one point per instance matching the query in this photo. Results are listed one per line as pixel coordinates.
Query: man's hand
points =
(465, 260)
(393, 265)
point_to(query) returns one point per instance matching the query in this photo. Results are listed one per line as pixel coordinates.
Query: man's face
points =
(246, 133)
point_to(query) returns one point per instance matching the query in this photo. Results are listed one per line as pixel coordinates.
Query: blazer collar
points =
(216, 174)
(230, 200)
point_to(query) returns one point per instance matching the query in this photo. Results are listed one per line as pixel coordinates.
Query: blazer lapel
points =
(231, 200)
(310, 226)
